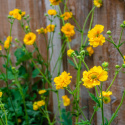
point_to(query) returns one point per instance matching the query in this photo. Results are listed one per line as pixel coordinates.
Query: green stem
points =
(85, 64)
(42, 73)
(85, 25)
(83, 114)
(113, 79)
(7, 64)
(2, 121)
(96, 91)
(93, 114)
(2, 108)
(114, 115)
(73, 57)
(89, 27)
(59, 109)
(60, 56)
(116, 48)
(23, 96)
(121, 35)
(102, 106)
(78, 89)
(75, 62)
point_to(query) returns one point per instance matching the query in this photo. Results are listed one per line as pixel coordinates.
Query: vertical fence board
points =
(110, 15)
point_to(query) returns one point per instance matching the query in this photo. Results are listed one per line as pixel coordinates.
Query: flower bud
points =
(13, 68)
(109, 32)
(46, 14)
(24, 18)
(9, 17)
(117, 66)
(110, 36)
(123, 65)
(82, 52)
(122, 25)
(16, 40)
(26, 27)
(105, 64)
(59, 33)
(27, 16)
(78, 57)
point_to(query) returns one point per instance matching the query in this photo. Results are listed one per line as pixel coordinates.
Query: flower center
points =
(68, 29)
(97, 34)
(93, 77)
(29, 38)
(100, 1)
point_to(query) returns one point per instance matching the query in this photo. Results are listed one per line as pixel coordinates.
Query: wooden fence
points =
(111, 15)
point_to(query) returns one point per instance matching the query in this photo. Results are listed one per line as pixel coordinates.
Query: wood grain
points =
(111, 15)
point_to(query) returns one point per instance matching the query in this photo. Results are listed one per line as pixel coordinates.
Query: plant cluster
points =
(24, 99)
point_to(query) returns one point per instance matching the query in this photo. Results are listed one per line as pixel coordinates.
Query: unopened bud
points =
(123, 65)
(117, 66)
(105, 64)
(109, 32)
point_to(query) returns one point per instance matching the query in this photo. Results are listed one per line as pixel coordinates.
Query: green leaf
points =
(35, 73)
(121, 44)
(24, 58)
(106, 121)
(10, 75)
(67, 117)
(71, 63)
(19, 53)
(94, 98)
(84, 123)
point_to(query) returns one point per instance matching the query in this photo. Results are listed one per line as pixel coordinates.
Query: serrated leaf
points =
(24, 58)
(35, 73)
(121, 44)
(106, 121)
(71, 63)
(94, 98)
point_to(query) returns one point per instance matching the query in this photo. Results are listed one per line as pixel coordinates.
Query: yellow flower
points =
(23, 13)
(1, 94)
(95, 36)
(106, 100)
(16, 13)
(42, 91)
(68, 30)
(67, 15)
(124, 59)
(0, 47)
(7, 42)
(69, 52)
(19, 120)
(41, 31)
(98, 3)
(29, 38)
(26, 27)
(52, 12)
(90, 50)
(50, 28)
(106, 96)
(55, 2)
(35, 107)
(40, 103)
(63, 80)
(94, 76)
(66, 100)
